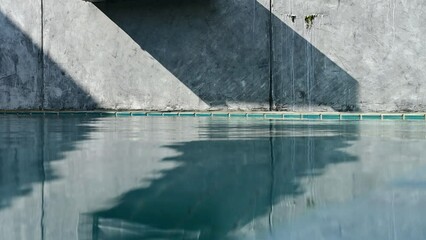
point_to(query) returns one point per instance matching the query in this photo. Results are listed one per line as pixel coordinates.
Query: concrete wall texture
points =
(213, 55)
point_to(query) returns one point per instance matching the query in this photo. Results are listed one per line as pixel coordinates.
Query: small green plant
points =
(309, 20)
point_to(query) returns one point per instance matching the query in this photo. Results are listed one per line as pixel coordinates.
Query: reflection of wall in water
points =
(20, 177)
(383, 161)
(29, 147)
(93, 174)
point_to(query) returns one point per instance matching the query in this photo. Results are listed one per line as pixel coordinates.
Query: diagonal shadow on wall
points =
(25, 158)
(221, 51)
(26, 73)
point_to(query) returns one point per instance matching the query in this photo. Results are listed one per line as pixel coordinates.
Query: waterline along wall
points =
(295, 55)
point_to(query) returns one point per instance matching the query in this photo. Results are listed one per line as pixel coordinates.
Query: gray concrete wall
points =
(358, 55)
(20, 54)
(210, 55)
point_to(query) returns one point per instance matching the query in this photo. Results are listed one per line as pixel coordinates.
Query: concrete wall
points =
(216, 54)
(357, 55)
(20, 54)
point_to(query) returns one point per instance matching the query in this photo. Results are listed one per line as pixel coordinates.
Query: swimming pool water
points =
(210, 178)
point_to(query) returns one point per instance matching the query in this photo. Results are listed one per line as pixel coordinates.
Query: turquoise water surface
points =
(95, 178)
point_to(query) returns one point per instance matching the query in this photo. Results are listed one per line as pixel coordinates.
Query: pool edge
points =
(311, 116)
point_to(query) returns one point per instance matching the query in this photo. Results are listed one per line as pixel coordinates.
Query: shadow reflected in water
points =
(28, 146)
(225, 182)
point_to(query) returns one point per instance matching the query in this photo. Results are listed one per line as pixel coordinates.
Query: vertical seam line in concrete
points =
(271, 95)
(42, 87)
